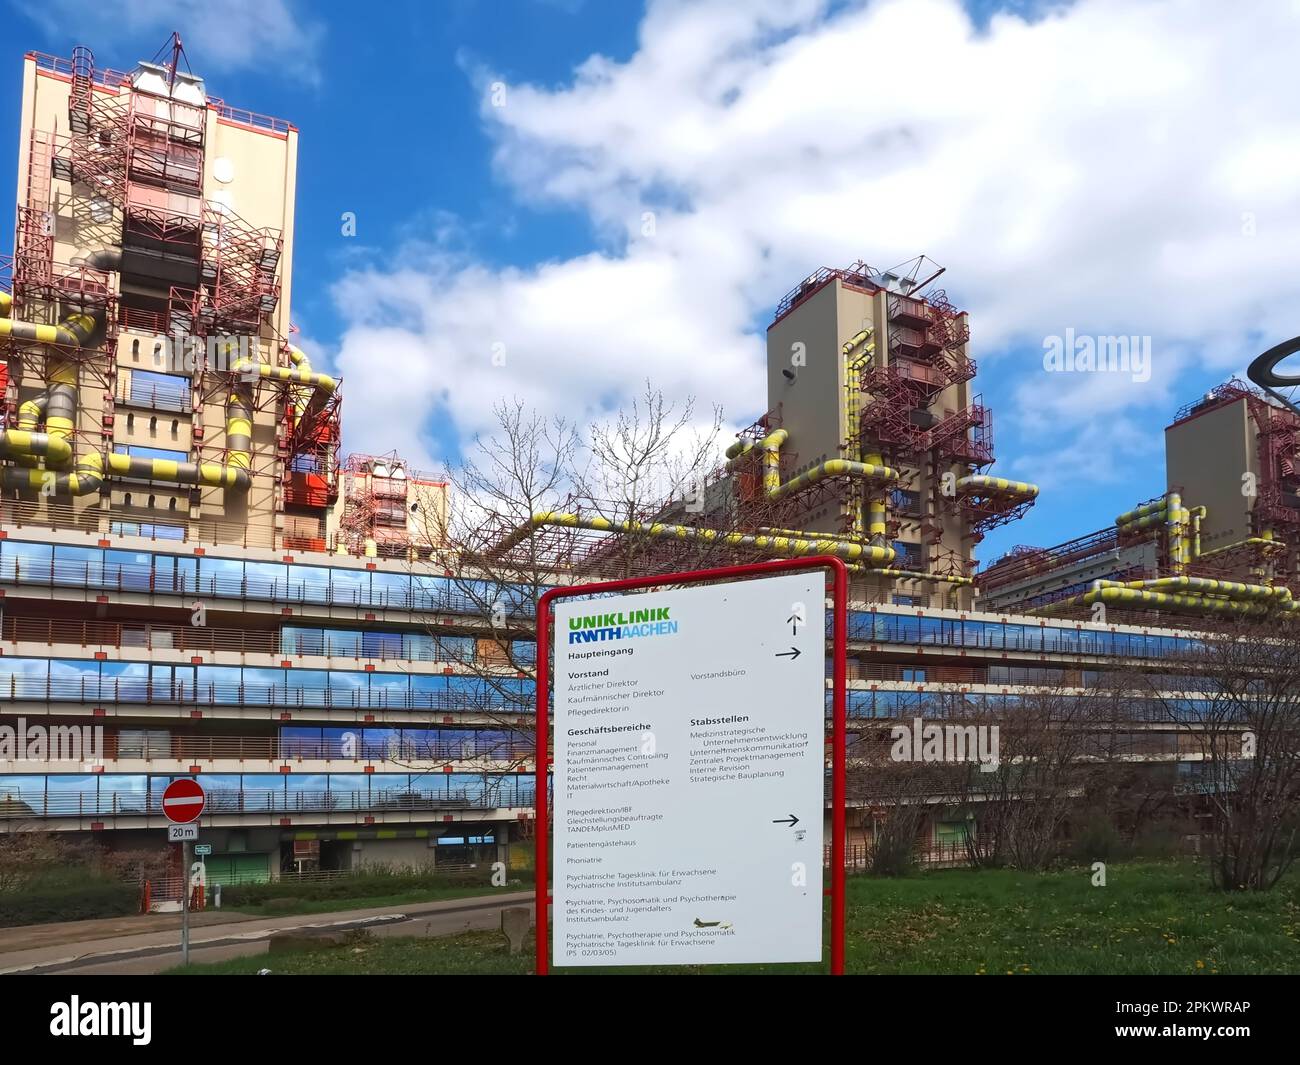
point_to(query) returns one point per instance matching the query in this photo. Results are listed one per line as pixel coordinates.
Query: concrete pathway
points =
(124, 946)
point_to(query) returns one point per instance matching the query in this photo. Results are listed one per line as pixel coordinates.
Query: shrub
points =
(366, 883)
(1098, 840)
(67, 898)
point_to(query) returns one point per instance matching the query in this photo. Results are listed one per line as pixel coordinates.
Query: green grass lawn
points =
(1152, 917)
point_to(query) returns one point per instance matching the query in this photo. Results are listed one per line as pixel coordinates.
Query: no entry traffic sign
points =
(183, 801)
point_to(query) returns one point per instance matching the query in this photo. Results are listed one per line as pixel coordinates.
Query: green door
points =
(238, 869)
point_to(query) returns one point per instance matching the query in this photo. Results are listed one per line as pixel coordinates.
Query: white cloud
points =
(1094, 167)
(233, 35)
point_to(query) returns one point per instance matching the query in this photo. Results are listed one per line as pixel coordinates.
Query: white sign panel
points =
(182, 833)
(689, 775)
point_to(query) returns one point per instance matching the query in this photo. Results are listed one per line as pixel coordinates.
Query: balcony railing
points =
(200, 749)
(359, 646)
(98, 690)
(15, 805)
(297, 587)
(252, 119)
(176, 400)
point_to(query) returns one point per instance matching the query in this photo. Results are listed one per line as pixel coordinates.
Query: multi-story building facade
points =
(193, 584)
(173, 595)
(350, 704)
(1221, 540)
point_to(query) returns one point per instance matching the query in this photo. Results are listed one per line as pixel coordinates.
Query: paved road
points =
(125, 950)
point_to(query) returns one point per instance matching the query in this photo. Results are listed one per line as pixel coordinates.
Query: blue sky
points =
(1102, 167)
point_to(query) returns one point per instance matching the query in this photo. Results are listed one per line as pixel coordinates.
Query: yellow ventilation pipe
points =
(1208, 586)
(771, 445)
(1232, 597)
(868, 471)
(1198, 515)
(852, 446)
(300, 373)
(1176, 519)
(999, 486)
(1140, 514)
(915, 575)
(772, 486)
(57, 405)
(783, 546)
(1255, 541)
(236, 472)
(87, 477)
(1176, 529)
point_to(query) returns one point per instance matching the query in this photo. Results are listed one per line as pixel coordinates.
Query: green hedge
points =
(368, 884)
(43, 902)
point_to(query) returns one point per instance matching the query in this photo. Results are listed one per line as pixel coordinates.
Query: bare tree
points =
(1234, 699)
(897, 798)
(651, 463)
(1051, 750)
(1130, 802)
(523, 467)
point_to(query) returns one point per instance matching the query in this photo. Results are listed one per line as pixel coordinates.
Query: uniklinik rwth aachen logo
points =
(621, 625)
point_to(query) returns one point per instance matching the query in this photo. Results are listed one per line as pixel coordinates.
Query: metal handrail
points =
(53, 632)
(15, 805)
(198, 749)
(294, 588)
(142, 691)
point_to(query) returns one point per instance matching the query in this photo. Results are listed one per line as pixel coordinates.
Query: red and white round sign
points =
(182, 801)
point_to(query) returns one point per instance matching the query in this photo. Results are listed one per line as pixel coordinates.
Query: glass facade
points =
(108, 569)
(90, 681)
(84, 680)
(124, 794)
(905, 704)
(871, 627)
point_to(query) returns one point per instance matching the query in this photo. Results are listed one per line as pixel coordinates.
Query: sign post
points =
(689, 768)
(182, 803)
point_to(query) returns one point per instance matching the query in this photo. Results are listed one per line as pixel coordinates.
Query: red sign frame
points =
(839, 724)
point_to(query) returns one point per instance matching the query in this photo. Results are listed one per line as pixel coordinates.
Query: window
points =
(309, 584)
(25, 562)
(381, 644)
(138, 451)
(266, 580)
(78, 566)
(144, 743)
(390, 590)
(905, 502)
(23, 678)
(908, 555)
(299, 640)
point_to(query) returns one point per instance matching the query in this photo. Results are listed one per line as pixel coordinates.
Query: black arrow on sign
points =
(791, 654)
(791, 821)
